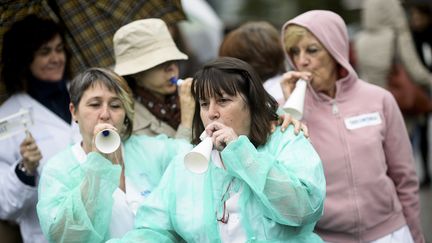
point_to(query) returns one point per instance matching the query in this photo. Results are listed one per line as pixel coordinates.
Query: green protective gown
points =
(282, 191)
(76, 199)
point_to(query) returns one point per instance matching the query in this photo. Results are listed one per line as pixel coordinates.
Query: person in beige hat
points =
(147, 57)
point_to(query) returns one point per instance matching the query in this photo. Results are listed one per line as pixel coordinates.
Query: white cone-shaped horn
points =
(294, 104)
(107, 141)
(197, 160)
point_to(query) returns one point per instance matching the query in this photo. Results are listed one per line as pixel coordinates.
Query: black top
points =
(420, 38)
(53, 95)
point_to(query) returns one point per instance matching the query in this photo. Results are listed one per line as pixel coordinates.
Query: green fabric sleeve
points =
(154, 153)
(171, 148)
(159, 227)
(282, 195)
(146, 236)
(285, 175)
(75, 200)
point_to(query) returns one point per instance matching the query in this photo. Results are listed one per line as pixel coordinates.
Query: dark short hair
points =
(257, 43)
(93, 76)
(234, 76)
(20, 44)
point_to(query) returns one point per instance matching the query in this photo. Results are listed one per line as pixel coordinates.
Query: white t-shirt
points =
(233, 230)
(125, 205)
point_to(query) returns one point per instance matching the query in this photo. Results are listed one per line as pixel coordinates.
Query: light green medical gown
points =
(75, 199)
(281, 197)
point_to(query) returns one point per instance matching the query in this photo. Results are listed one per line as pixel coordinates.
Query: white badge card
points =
(363, 120)
(15, 123)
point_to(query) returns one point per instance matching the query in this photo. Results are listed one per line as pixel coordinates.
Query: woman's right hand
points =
(115, 157)
(289, 80)
(30, 154)
(187, 103)
(221, 134)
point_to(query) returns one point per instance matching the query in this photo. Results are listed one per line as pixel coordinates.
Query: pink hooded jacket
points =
(360, 135)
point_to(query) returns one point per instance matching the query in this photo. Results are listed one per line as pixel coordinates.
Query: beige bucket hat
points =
(143, 44)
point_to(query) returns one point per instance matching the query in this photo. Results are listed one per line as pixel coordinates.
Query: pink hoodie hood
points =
(371, 184)
(330, 29)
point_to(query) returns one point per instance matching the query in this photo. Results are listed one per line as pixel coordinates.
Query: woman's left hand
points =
(221, 135)
(285, 120)
(187, 103)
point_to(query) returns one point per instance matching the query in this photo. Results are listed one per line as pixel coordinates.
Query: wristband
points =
(23, 169)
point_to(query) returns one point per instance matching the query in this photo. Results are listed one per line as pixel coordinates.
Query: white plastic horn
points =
(107, 141)
(294, 104)
(197, 160)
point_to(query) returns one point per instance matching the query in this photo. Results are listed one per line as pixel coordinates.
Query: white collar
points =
(79, 152)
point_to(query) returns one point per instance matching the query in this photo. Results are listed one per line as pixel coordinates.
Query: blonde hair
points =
(292, 35)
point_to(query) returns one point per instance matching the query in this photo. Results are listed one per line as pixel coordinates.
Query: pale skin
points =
(100, 109)
(227, 117)
(285, 120)
(49, 61)
(314, 64)
(48, 64)
(30, 153)
(157, 80)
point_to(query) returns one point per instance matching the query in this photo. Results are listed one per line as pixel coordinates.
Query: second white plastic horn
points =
(294, 104)
(197, 160)
(107, 141)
